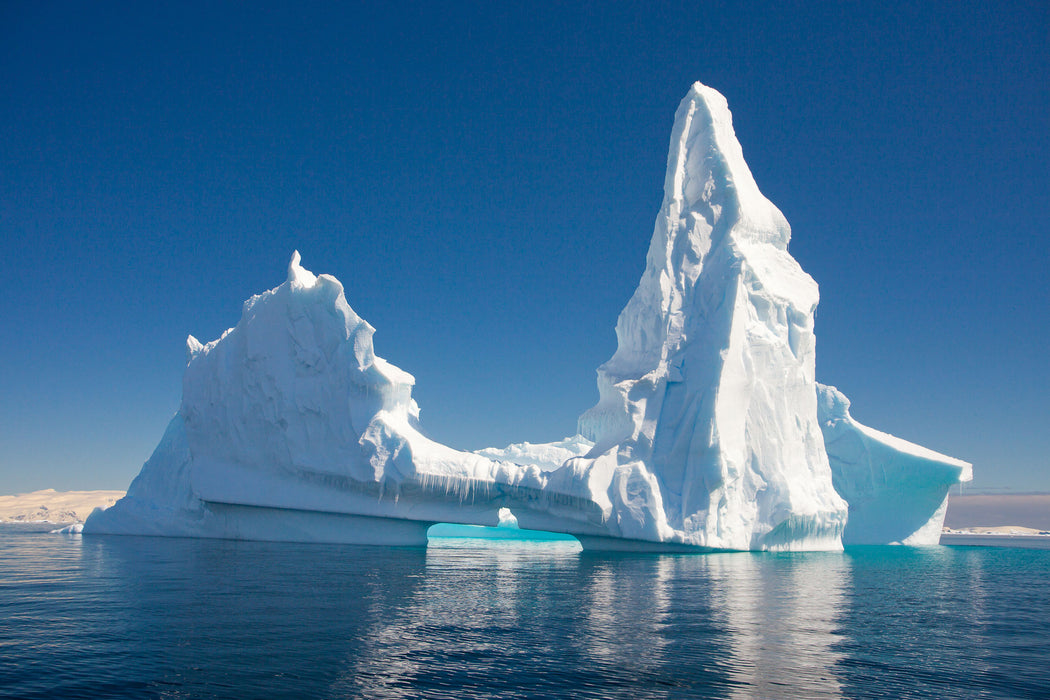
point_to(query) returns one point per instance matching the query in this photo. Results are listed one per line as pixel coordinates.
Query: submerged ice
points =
(710, 431)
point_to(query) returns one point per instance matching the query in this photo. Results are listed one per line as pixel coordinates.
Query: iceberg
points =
(706, 435)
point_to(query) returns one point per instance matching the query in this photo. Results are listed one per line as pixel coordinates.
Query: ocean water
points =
(179, 618)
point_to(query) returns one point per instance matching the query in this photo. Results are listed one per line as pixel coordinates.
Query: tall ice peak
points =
(299, 275)
(711, 391)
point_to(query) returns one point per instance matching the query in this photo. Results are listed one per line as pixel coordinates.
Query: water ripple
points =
(167, 618)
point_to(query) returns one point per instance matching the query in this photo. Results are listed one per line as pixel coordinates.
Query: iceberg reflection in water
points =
(142, 617)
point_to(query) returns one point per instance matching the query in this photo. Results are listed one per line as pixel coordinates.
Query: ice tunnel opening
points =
(506, 529)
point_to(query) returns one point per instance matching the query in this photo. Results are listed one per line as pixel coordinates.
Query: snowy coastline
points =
(1020, 537)
(54, 508)
(997, 531)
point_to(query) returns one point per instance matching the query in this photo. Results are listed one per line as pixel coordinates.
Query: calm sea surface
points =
(157, 618)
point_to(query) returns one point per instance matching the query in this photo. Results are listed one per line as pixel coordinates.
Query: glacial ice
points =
(706, 434)
(897, 491)
(706, 424)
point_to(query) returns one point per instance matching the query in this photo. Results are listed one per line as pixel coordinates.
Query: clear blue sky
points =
(484, 177)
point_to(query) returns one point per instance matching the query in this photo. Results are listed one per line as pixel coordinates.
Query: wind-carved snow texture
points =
(547, 456)
(292, 410)
(897, 491)
(705, 434)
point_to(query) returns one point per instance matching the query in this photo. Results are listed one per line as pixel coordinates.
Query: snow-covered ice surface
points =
(548, 456)
(705, 435)
(897, 491)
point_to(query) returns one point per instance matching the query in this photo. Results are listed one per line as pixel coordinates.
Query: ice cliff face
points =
(706, 433)
(708, 405)
(897, 491)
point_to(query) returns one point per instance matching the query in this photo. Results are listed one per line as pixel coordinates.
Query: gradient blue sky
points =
(483, 178)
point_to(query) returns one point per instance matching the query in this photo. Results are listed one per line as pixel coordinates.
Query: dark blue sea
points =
(136, 617)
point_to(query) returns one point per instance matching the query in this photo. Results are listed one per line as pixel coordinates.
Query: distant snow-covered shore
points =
(55, 507)
(998, 514)
(997, 531)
